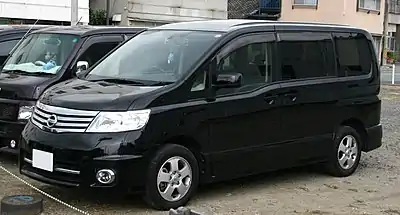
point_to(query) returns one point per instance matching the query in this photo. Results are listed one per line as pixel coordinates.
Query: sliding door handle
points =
(270, 99)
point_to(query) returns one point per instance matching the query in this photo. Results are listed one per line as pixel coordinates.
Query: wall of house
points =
(55, 10)
(335, 11)
(167, 11)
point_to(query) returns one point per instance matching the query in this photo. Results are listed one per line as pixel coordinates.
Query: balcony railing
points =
(394, 6)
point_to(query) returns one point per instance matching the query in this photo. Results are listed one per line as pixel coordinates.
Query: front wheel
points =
(172, 177)
(346, 153)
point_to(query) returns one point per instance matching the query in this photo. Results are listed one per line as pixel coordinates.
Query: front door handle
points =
(270, 99)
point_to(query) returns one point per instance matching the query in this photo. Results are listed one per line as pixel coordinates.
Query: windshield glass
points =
(155, 56)
(41, 53)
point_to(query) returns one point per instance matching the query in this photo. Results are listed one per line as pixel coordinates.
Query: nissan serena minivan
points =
(206, 101)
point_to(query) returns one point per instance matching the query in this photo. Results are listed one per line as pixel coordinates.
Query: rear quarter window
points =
(354, 54)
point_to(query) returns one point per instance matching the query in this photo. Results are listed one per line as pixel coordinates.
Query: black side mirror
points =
(231, 80)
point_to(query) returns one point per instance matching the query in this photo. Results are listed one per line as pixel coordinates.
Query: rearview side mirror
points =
(231, 80)
(81, 66)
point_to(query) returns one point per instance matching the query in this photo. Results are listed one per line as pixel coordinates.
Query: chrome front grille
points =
(58, 119)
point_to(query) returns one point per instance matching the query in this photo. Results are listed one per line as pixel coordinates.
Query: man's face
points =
(49, 55)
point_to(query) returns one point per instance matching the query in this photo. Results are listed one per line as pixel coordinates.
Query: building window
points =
(391, 43)
(369, 5)
(305, 2)
(377, 44)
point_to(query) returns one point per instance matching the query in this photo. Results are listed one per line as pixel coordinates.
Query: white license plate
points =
(42, 160)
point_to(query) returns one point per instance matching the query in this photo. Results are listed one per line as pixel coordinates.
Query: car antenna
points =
(23, 37)
(78, 21)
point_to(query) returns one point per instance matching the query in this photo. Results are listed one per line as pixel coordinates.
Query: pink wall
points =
(337, 12)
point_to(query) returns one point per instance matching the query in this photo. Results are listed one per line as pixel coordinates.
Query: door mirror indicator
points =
(231, 80)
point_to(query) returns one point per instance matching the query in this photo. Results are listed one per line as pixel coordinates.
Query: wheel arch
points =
(359, 126)
(193, 146)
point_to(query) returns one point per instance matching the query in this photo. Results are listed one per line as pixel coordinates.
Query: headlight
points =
(119, 121)
(25, 112)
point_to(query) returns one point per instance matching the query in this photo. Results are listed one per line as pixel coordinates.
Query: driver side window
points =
(253, 60)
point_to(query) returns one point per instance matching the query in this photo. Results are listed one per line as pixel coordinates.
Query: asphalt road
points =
(373, 189)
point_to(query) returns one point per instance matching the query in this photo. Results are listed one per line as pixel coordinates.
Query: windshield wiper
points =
(120, 81)
(160, 83)
(22, 72)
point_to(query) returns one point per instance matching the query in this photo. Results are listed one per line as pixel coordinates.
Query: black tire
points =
(22, 204)
(152, 195)
(333, 166)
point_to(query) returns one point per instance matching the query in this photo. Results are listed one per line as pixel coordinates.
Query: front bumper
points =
(78, 156)
(10, 131)
(10, 127)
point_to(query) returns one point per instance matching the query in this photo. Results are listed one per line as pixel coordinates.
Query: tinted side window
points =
(306, 55)
(96, 51)
(6, 46)
(253, 60)
(354, 54)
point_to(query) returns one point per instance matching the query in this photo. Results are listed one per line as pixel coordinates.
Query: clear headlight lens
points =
(106, 122)
(25, 112)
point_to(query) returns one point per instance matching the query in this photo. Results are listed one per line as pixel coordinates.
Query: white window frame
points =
(368, 2)
(305, 2)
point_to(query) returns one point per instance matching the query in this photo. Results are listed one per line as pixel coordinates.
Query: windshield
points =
(41, 53)
(155, 56)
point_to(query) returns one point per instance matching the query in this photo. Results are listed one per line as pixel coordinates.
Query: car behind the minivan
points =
(44, 58)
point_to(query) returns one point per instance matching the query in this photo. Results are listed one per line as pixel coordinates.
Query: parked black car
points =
(10, 35)
(200, 102)
(46, 57)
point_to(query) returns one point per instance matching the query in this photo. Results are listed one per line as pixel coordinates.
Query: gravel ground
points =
(373, 189)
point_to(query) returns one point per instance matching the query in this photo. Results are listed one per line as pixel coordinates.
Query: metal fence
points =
(238, 9)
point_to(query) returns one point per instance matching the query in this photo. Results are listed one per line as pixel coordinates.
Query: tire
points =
(336, 167)
(160, 166)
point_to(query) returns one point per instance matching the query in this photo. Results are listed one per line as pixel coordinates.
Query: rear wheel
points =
(346, 153)
(172, 177)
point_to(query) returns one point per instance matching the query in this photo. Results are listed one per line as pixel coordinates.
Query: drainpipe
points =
(385, 32)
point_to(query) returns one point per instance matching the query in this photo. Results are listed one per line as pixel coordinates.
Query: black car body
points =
(209, 101)
(25, 75)
(10, 35)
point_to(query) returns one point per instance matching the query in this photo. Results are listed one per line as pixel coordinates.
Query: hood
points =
(88, 95)
(16, 86)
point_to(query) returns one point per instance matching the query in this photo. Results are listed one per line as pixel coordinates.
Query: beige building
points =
(367, 14)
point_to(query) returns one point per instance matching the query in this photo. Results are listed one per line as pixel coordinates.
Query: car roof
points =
(235, 24)
(14, 29)
(88, 30)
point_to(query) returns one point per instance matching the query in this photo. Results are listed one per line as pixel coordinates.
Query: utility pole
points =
(385, 31)
(74, 12)
(107, 12)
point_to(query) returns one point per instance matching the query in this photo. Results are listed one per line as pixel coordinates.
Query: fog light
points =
(105, 176)
(13, 144)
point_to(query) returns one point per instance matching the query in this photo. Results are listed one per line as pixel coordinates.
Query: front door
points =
(245, 121)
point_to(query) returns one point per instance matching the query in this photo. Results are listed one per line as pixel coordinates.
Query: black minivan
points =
(206, 101)
(46, 57)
